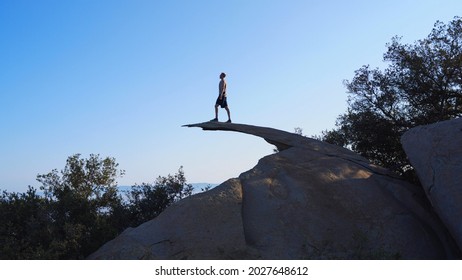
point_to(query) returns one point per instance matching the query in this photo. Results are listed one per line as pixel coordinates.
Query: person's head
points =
(222, 75)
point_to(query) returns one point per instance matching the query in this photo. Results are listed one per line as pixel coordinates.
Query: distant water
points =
(198, 187)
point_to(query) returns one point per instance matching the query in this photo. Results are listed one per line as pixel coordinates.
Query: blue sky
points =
(119, 78)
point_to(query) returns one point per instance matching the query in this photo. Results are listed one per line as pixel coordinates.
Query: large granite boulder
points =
(204, 226)
(311, 200)
(435, 151)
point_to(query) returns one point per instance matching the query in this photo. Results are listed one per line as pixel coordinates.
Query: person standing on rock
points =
(221, 100)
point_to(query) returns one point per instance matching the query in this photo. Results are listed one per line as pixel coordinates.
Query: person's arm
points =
(223, 92)
(223, 89)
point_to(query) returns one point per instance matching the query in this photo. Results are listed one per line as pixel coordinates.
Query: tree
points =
(147, 201)
(73, 218)
(81, 200)
(421, 85)
(80, 209)
(24, 226)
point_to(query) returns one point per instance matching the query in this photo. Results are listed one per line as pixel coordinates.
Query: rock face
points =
(311, 200)
(435, 151)
(204, 226)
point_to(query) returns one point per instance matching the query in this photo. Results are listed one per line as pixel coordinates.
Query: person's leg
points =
(216, 114)
(229, 113)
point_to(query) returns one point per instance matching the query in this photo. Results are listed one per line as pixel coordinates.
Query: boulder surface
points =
(435, 151)
(310, 200)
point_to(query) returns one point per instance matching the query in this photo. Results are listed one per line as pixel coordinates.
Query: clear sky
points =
(119, 78)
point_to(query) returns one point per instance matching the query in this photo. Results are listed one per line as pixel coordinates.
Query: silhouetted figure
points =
(221, 100)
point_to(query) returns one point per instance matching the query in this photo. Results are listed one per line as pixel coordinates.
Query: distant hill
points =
(198, 187)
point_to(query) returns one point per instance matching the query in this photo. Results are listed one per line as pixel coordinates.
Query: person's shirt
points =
(222, 88)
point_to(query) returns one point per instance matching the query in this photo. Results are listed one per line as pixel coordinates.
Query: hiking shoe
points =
(228, 121)
(214, 120)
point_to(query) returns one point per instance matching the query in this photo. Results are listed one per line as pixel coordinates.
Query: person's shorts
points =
(222, 102)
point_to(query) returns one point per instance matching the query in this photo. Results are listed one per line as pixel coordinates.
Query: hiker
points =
(221, 100)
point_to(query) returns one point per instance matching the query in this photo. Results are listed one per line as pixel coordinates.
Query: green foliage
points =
(80, 200)
(80, 210)
(24, 225)
(421, 85)
(146, 201)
